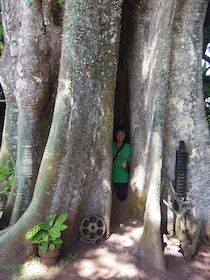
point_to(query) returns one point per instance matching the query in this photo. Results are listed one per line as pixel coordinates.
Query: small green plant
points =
(48, 234)
(7, 175)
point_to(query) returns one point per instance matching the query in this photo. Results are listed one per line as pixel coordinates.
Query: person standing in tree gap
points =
(121, 161)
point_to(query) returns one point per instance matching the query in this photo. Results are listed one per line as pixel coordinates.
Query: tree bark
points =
(162, 57)
(35, 75)
(76, 164)
(70, 162)
(147, 71)
(187, 121)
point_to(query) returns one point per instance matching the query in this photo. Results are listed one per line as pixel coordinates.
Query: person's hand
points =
(124, 164)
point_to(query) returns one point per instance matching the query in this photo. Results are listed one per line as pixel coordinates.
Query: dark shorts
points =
(121, 190)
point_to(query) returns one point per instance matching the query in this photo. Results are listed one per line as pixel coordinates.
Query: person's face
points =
(120, 136)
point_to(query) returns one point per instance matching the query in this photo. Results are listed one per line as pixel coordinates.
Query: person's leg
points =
(121, 190)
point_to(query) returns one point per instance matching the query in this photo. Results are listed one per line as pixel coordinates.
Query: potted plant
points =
(48, 237)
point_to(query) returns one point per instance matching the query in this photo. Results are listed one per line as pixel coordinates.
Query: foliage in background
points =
(7, 174)
(205, 69)
(206, 36)
(206, 91)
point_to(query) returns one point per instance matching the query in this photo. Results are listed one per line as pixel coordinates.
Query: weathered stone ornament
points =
(92, 228)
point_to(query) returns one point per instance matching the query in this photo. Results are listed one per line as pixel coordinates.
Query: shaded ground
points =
(115, 258)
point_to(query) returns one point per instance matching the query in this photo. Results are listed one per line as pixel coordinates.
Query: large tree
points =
(61, 67)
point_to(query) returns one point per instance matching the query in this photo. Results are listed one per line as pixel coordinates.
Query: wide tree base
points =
(116, 258)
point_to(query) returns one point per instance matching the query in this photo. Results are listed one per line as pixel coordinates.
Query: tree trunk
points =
(148, 71)
(75, 171)
(69, 160)
(35, 74)
(154, 67)
(8, 64)
(187, 121)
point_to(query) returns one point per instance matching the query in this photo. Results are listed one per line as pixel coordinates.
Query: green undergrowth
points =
(34, 269)
(7, 174)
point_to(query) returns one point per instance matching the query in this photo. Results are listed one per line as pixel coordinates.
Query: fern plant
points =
(48, 234)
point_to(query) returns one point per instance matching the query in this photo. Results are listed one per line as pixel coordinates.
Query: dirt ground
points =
(115, 258)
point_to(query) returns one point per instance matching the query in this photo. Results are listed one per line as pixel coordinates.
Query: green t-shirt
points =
(120, 174)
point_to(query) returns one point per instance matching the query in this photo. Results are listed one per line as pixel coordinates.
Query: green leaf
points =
(61, 219)
(45, 236)
(54, 232)
(32, 232)
(44, 225)
(59, 227)
(37, 238)
(44, 247)
(204, 67)
(52, 219)
(52, 238)
(57, 241)
(63, 227)
(52, 247)
(7, 173)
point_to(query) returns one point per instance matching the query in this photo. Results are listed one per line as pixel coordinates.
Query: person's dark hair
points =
(120, 128)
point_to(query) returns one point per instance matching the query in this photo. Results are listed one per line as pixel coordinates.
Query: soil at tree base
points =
(116, 258)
